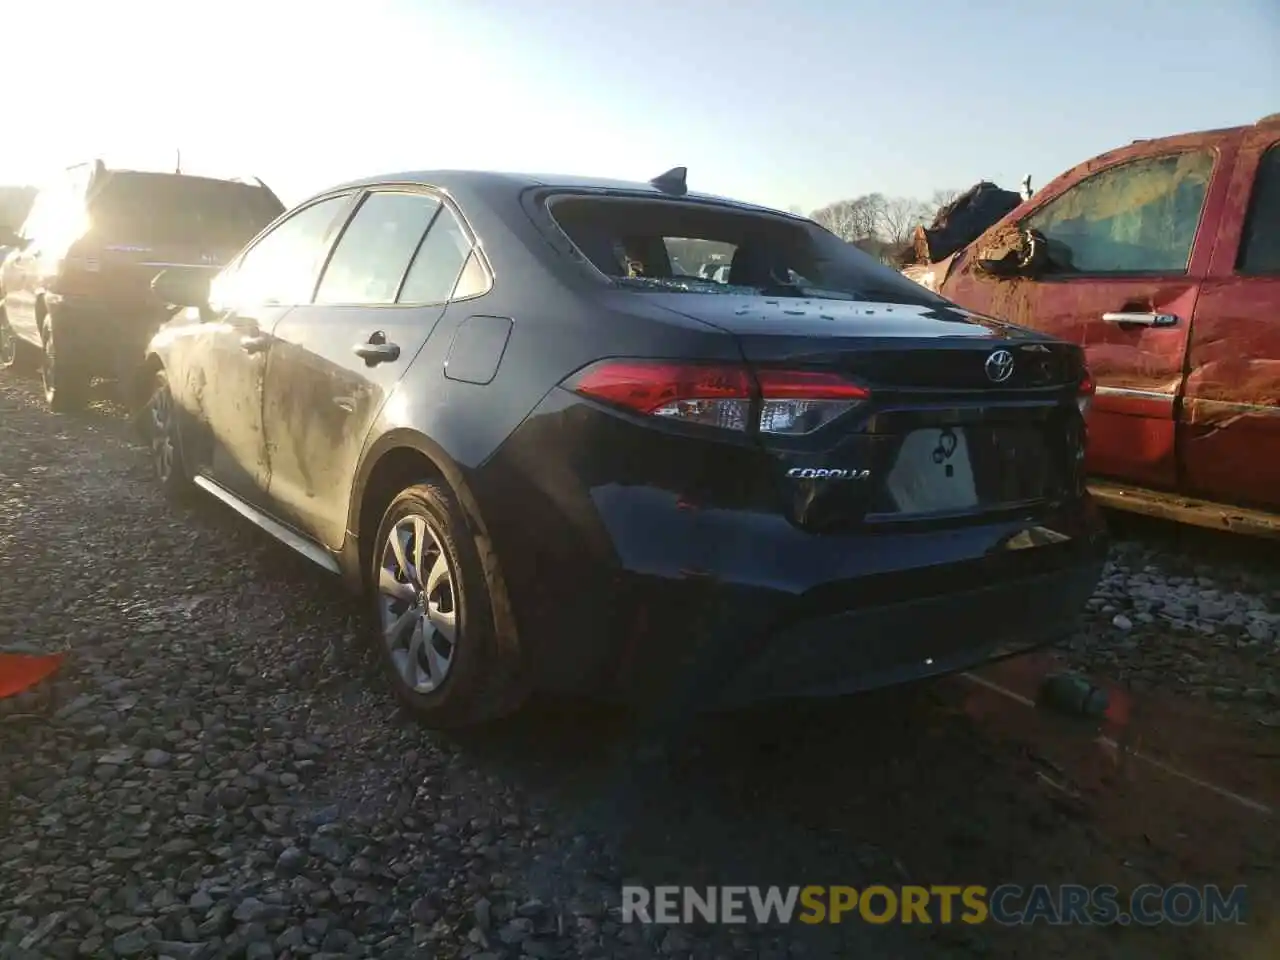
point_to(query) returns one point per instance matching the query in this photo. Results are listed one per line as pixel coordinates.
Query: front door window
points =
(1137, 218)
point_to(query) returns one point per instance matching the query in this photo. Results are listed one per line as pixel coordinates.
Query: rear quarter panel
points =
(553, 332)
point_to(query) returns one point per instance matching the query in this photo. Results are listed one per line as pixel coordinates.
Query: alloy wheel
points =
(163, 451)
(416, 600)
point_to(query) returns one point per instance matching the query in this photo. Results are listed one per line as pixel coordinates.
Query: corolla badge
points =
(823, 473)
(999, 366)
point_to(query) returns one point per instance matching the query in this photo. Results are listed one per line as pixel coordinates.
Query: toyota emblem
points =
(999, 366)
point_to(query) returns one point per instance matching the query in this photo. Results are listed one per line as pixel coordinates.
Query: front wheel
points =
(433, 614)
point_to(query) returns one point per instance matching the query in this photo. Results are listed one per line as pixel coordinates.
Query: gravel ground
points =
(219, 773)
(1166, 618)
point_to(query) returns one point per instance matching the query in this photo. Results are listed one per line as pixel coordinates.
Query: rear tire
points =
(66, 383)
(159, 419)
(433, 629)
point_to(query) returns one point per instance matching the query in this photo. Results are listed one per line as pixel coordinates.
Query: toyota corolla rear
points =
(861, 485)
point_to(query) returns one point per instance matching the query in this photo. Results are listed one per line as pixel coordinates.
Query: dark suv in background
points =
(77, 291)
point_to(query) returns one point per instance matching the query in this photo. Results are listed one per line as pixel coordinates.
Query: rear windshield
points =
(148, 208)
(700, 247)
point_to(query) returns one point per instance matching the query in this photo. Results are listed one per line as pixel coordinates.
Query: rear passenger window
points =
(439, 262)
(371, 257)
(1260, 247)
(474, 279)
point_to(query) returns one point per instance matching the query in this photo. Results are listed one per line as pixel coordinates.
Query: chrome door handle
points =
(255, 343)
(376, 353)
(1143, 319)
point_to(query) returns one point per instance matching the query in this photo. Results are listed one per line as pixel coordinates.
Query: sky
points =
(789, 103)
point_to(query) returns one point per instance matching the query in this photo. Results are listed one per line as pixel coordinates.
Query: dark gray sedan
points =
(548, 459)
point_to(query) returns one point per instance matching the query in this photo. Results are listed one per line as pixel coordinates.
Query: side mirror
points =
(182, 288)
(1017, 252)
(10, 239)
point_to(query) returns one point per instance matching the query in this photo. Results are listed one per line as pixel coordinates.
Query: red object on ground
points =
(1118, 708)
(22, 671)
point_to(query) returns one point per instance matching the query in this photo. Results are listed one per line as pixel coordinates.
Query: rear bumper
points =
(879, 646)
(790, 614)
(108, 337)
(658, 603)
(653, 569)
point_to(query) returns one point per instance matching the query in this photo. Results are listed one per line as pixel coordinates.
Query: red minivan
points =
(1162, 259)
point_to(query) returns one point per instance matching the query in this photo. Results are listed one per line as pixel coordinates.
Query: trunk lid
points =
(766, 322)
(948, 432)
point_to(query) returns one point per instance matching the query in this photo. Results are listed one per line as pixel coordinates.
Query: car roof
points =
(1267, 121)
(1188, 134)
(488, 182)
(169, 174)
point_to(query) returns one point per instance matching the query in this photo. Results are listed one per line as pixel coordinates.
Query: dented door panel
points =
(1138, 369)
(231, 348)
(1229, 426)
(228, 387)
(321, 400)
(337, 360)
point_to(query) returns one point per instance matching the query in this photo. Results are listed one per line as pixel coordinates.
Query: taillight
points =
(1085, 391)
(792, 402)
(717, 396)
(796, 402)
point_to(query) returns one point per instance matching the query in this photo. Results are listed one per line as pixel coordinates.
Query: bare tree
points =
(939, 199)
(854, 219)
(838, 218)
(898, 218)
(881, 225)
(877, 247)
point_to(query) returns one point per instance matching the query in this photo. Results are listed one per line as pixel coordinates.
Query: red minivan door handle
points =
(1142, 319)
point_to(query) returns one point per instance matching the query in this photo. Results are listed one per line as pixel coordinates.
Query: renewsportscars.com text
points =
(1008, 904)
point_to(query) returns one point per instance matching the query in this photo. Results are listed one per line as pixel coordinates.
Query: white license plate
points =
(933, 472)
